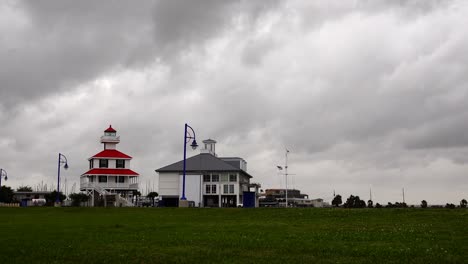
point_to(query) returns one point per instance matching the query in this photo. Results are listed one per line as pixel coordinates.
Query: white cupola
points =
(209, 146)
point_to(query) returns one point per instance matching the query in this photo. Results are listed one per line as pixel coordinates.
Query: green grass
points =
(190, 235)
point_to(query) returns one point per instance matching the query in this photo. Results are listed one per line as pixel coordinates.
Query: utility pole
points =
(286, 176)
(403, 195)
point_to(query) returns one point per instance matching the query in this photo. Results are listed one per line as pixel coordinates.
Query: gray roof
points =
(203, 162)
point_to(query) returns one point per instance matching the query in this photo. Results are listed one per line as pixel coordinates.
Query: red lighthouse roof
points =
(110, 129)
(111, 153)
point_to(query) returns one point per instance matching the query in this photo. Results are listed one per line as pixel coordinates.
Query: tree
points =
(354, 202)
(78, 198)
(6, 194)
(423, 204)
(24, 189)
(370, 204)
(152, 195)
(377, 205)
(450, 206)
(337, 201)
(51, 197)
(463, 203)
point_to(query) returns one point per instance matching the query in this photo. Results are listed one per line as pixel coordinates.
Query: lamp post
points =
(61, 160)
(194, 145)
(3, 174)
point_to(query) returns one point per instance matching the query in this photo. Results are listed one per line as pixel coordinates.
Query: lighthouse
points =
(109, 180)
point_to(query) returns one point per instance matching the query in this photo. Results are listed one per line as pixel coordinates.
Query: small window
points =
(102, 178)
(224, 177)
(213, 188)
(232, 177)
(206, 178)
(225, 188)
(120, 163)
(90, 164)
(207, 188)
(231, 188)
(121, 179)
(215, 178)
(103, 163)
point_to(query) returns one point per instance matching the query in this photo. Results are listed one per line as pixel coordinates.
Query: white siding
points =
(168, 184)
(192, 188)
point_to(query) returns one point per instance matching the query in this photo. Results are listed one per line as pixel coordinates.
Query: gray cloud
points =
(367, 94)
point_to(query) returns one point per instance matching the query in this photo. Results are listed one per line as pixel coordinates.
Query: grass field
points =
(190, 235)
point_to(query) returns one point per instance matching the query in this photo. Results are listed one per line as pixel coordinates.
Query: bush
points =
(78, 198)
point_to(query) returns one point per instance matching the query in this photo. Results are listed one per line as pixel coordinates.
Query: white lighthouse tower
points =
(109, 180)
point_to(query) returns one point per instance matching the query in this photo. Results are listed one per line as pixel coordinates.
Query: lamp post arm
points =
(193, 131)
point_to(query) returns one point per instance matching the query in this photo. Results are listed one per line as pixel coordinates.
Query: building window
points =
(90, 164)
(120, 164)
(121, 179)
(102, 178)
(215, 178)
(207, 188)
(231, 188)
(213, 188)
(224, 177)
(225, 188)
(232, 177)
(103, 163)
(206, 178)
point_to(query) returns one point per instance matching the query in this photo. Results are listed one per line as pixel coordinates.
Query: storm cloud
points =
(365, 94)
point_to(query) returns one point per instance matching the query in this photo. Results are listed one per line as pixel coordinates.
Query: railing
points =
(108, 185)
(110, 138)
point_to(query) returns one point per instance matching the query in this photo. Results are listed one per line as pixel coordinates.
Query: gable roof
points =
(111, 153)
(201, 163)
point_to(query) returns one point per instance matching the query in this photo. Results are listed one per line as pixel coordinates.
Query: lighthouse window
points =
(103, 163)
(102, 178)
(91, 164)
(120, 164)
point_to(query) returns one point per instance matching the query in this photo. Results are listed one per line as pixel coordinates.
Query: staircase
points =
(112, 199)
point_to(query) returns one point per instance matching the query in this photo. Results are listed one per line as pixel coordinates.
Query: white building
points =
(109, 175)
(210, 181)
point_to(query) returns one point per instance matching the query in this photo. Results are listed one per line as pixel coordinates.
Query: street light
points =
(61, 159)
(194, 145)
(3, 174)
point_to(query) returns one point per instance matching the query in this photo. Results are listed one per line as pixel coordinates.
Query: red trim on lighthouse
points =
(110, 129)
(123, 172)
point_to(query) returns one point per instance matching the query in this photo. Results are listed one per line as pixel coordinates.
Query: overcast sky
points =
(365, 94)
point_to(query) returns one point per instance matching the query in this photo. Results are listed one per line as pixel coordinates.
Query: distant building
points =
(277, 198)
(33, 198)
(211, 181)
(109, 177)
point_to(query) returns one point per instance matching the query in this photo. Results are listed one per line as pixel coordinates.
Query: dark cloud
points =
(363, 94)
